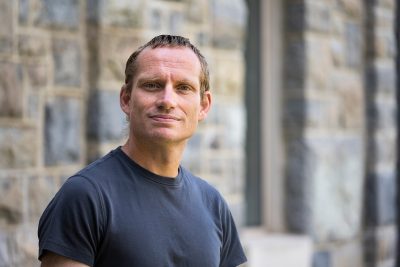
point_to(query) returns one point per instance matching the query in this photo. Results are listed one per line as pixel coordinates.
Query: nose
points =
(167, 98)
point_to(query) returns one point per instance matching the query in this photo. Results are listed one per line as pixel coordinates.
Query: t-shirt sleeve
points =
(232, 253)
(72, 223)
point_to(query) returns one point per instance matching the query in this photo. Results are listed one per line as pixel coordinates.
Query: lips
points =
(164, 118)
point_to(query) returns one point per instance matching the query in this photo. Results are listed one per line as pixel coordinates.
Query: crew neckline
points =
(163, 180)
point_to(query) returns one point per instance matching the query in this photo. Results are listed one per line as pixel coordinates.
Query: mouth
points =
(164, 118)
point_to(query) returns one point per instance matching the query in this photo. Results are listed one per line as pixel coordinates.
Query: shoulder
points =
(100, 168)
(78, 186)
(78, 193)
(208, 191)
(200, 183)
(100, 171)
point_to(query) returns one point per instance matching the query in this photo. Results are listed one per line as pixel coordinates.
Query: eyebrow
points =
(158, 79)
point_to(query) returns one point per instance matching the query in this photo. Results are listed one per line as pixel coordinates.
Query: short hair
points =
(168, 41)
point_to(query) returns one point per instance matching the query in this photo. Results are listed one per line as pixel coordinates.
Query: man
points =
(137, 206)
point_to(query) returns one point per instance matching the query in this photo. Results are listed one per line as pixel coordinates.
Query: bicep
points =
(51, 259)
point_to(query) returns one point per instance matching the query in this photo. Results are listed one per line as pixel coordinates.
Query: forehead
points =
(174, 59)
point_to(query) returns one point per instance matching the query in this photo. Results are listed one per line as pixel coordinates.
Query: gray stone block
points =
(23, 11)
(6, 26)
(156, 19)
(234, 124)
(4, 254)
(192, 155)
(193, 164)
(299, 170)
(229, 22)
(36, 75)
(215, 114)
(318, 16)
(64, 14)
(386, 114)
(295, 18)
(17, 147)
(33, 107)
(315, 113)
(386, 243)
(322, 259)
(11, 204)
(202, 39)
(11, 93)
(62, 133)
(385, 147)
(295, 65)
(8, 249)
(386, 198)
(176, 22)
(114, 52)
(386, 78)
(31, 46)
(352, 8)
(348, 108)
(324, 187)
(294, 116)
(320, 63)
(18, 246)
(117, 13)
(197, 10)
(348, 254)
(235, 175)
(385, 44)
(106, 120)
(67, 62)
(385, 17)
(337, 180)
(93, 10)
(216, 167)
(388, 4)
(228, 76)
(354, 45)
(194, 143)
(40, 191)
(369, 247)
(337, 51)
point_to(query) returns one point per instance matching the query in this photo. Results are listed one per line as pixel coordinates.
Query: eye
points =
(184, 88)
(151, 85)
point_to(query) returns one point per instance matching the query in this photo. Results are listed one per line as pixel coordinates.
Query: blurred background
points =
(301, 139)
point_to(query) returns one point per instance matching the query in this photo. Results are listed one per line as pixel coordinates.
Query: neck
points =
(162, 160)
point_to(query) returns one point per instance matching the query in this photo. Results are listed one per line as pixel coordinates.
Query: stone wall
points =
(340, 128)
(381, 182)
(61, 69)
(42, 93)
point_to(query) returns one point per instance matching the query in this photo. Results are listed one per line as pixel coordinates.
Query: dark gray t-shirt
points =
(116, 213)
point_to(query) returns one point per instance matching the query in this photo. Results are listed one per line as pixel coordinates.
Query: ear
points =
(205, 105)
(125, 99)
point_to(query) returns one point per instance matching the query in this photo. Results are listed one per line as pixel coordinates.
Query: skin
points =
(164, 108)
(53, 260)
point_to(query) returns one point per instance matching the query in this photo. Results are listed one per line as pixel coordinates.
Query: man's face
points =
(165, 104)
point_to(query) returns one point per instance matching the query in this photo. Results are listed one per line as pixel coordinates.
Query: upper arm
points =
(51, 259)
(72, 224)
(232, 253)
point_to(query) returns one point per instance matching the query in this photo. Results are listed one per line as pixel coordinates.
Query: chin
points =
(169, 137)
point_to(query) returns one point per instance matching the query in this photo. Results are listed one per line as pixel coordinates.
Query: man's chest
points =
(161, 232)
